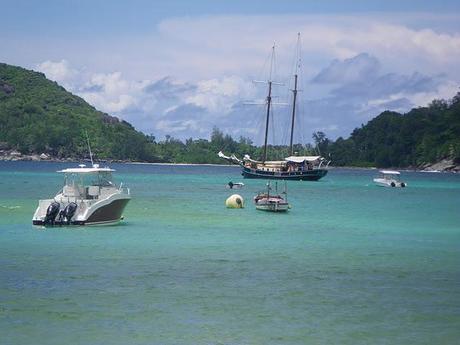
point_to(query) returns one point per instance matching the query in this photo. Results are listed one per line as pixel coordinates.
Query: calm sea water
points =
(351, 263)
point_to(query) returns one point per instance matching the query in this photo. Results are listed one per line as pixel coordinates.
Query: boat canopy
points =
(84, 170)
(300, 159)
(390, 172)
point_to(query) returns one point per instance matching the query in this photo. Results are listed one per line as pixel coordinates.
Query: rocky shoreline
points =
(444, 165)
(14, 155)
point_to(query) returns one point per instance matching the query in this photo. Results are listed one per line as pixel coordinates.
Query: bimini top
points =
(300, 159)
(84, 170)
(390, 172)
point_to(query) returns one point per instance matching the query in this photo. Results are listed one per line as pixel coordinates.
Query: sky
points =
(181, 68)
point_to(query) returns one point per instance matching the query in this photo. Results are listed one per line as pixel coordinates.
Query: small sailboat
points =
(305, 168)
(265, 201)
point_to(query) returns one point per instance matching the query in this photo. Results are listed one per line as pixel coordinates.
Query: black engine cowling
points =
(51, 212)
(69, 211)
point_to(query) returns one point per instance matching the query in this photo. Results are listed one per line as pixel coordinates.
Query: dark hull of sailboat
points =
(307, 175)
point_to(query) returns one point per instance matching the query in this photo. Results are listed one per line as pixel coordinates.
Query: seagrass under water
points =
(350, 263)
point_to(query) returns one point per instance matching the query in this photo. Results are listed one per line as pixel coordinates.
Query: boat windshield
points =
(100, 179)
(394, 177)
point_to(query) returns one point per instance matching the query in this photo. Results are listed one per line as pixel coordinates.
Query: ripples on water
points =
(351, 263)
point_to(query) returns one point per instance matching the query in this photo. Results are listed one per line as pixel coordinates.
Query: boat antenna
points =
(89, 148)
(294, 91)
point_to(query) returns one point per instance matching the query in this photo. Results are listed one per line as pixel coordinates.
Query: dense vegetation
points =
(205, 151)
(39, 116)
(423, 135)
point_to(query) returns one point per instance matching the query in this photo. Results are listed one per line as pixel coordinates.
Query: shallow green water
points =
(351, 263)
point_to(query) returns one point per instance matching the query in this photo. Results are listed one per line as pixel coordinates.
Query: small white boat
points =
(88, 197)
(389, 178)
(235, 185)
(265, 201)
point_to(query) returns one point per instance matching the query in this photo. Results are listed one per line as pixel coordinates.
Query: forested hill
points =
(424, 135)
(39, 116)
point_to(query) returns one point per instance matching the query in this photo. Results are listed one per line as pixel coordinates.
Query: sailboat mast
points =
(298, 57)
(269, 102)
(293, 112)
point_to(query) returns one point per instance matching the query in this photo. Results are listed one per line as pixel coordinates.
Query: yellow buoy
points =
(234, 201)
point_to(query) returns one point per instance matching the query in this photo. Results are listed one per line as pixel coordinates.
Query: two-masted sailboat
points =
(306, 168)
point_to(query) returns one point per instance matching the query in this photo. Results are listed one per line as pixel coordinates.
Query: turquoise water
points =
(351, 263)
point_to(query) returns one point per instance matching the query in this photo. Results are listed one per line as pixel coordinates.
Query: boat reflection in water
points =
(88, 197)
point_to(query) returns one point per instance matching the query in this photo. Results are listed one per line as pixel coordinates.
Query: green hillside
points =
(39, 116)
(423, 135)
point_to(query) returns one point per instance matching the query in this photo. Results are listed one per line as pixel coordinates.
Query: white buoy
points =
(234, 201)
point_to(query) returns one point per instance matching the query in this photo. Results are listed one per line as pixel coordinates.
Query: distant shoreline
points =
(16, 156)
(444, 165)
(85, 161)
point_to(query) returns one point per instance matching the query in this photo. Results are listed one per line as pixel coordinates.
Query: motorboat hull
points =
(389, 183)
(306, 175)
(271, 203)
(273, 206)
(104, 212)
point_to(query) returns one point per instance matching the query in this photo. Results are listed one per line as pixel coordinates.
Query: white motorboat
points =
(88, 197)
(389, 178)
(265, 201)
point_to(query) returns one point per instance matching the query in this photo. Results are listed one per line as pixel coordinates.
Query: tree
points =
(321, 141)
(439, 104)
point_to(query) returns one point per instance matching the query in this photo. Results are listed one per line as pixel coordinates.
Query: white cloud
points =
(219, 95)
(238, 43)
(173, 127)
(359, 68)
(110, 92)
(59, 71)
(445, 91)
(109, 104)
(189, 73)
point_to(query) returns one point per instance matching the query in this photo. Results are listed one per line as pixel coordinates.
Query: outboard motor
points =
(69, 211)
(61, 216)
(51, 212)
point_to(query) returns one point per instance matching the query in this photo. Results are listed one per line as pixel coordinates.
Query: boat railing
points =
(122, 189)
